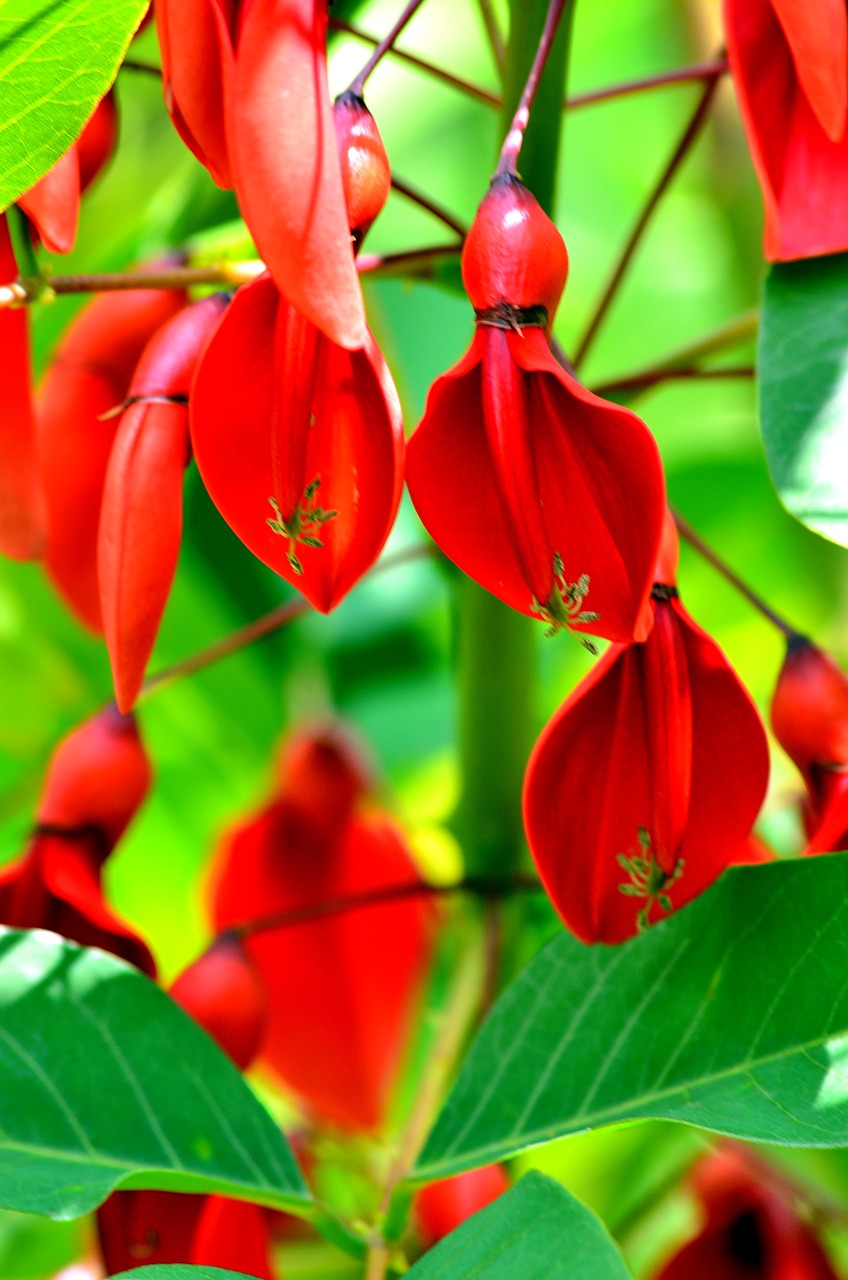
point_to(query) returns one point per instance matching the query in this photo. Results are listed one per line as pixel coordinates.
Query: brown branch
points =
(473, 90)
(653, 377)
(424, 202)
(357, 85)
(712, 70)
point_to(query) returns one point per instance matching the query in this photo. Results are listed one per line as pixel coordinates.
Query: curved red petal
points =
(275, 408)
(817, 34)
(53, 203)
(98, 140)
(286, 164)
(89, 375)
(234, 1235)
(341, 989)
(223, 992)
(197, 57)
(137, 1228)
(22, 511)
(443, 1206)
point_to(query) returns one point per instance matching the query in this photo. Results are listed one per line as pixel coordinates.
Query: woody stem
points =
(511, 149)
(223, 273)
(690, 133)
(421, 64)
(696, 541)
(424, 202)
(357, 86)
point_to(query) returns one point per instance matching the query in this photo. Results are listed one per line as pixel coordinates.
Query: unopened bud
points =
(366, 176)
(224, 994)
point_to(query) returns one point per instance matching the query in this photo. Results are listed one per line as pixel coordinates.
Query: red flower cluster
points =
(752, 1227)
(625, 784)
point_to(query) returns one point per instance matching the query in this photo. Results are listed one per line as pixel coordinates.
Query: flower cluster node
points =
(505, 316)
(300, 528)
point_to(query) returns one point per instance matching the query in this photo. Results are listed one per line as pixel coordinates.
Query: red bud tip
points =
(98, 776)
(669, 552)
(366, 176)
(809, 711)
(223, 992)
(513, 252)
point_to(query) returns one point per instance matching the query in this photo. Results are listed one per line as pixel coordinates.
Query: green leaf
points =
(178, 1272)
(535, 1230)
(105, 1082)
(57, 59)
(731, 1015)
(803, 366)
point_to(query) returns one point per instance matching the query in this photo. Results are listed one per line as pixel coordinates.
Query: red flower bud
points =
(366, 176)
(22, 514)
(299, 442)
(195, 38)
(443, 1206)
(809, 711)
(89, 375)
(141, 514)
(513, 253)
(790, 69)
(223, 992)
(753, 1229)
(646, 782)
(235, 1236)
(341, 987)
(145, 1228)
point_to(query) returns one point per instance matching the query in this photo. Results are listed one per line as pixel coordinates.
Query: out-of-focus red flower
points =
(142, 507)
(341, 988)
(548, 496)
(443, 1206)
(246, 85)
(89, 375)
(645, 784)
(143, 1228)
(789, 60)
(53, 204)
(22, 515)
(752, 1228)
(96, 781)
(234, 1235)
(299, 442)
(224, 993)
(809, 716)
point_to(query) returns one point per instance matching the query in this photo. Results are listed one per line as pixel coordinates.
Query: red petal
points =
(53, 203)
(600, 772)
(235, 1236)
(275, 406)
(136, 1228)
(286, 164)
(443, 1206)
(817, 33)
(342, 989)
(98, 140)
(89, 375)
(22, 514)
(223, 992)
(197, 60)
(809, 710)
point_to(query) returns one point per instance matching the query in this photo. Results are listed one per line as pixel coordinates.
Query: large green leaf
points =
(803, 365)
(731, 1014)
(536, 1230)
(57, 59)
(104, 1082)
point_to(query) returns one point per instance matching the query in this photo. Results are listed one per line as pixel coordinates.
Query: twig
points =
(424, 202)
(712, 70)
(651, 377)
(511, 149)
(494, 35)
(357, 85)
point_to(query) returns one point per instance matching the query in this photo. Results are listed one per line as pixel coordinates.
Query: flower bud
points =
(809, 711)
(98, 776)
(513, 253)
(223, 992)
(443, 1206)
(366, 176)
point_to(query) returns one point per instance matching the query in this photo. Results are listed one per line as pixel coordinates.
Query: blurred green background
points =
(384, 659)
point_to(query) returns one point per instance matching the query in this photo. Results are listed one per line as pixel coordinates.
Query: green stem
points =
(496, 647)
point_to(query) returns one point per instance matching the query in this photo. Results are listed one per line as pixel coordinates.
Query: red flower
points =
(546, 495)
(22, 516)
(443, 1206)
(224, 994)
(246, 84)
(89, 375)
(644, 785)
(299, 442)
(141, 513)
(752, 1228)
(809, 716)
(790, 67)
(341, 988)
(97, 779)
(234, 1235)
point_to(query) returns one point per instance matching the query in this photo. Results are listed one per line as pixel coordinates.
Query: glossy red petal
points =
(139, 1228)
(141, 514)
(286, 164)
(803, 174)
(605, 794)
(224, 993)
(275, 408)
(809, 710)
(342, 990)
(98, 140)
(22, 511)
(516, 469)
(817, 34)
(89, 375)
(197, 58)
(443, 1206)
(235, 1236)
(53, 203)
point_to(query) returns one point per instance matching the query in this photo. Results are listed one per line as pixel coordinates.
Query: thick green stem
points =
(496, 656)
